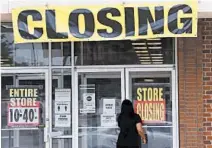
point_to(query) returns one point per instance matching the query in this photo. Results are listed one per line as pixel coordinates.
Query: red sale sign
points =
(23, 115)
(150, 103)
(151, 111)
(23, 108)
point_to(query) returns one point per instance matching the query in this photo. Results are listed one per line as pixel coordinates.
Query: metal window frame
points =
(172, 75)
(23, 70)
(75, 69)
(177, 142)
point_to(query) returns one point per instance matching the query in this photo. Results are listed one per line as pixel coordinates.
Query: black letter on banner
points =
(145, 16)
(172, 20)
(23, 24)
(130, 22)
(74, 23)
(116, 26)
(51, 26)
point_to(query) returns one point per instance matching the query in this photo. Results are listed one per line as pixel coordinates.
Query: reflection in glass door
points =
(99, 99)
(23, 109)
(152, 94)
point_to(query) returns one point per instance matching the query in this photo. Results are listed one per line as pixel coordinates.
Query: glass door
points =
(61, 133)
(152, 92)
(99, 93)
(24, 107)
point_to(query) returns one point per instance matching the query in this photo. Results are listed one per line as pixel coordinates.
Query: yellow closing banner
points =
(95, 23)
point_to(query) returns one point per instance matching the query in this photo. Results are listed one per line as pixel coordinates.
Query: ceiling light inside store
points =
(149, 50)
(154, 43)
(138, 43)
(144, 57)
(146, 63)
(141, 51)
(157, 60)
(155, 47)
(157, 57)
(6, 65)
(144, 60)
(140, 47)
(5, 60)
(148, 80)
(156, 54)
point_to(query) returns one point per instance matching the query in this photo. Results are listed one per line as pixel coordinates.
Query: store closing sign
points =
(23, 108)
(93, 23)
(150, 104)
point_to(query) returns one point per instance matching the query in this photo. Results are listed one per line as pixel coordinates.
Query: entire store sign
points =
(23, 108)
(150, 104)
(95, 23)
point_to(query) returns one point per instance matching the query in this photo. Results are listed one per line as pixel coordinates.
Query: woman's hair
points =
(127, 108)
(127, 112)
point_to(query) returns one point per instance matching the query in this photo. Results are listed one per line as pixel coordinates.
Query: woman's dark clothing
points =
(128, 136)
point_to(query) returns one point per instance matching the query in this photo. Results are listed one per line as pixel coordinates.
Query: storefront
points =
(57, 93)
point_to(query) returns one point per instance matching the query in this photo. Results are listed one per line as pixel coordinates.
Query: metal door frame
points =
(22, 70)
(78, 70)
(155, 72)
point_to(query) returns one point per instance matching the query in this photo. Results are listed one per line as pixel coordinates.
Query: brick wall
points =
(190, 90)
(207, 81)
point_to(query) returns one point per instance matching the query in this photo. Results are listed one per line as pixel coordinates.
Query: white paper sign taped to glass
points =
(115, 22)
(89, 105)
(24, 107)
(62, 94)
(108, 120)
(109, 106)
(62, 107)
(62, 120)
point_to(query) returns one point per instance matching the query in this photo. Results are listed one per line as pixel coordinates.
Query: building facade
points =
(69, 93)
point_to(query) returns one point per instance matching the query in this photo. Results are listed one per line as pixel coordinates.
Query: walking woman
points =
(131, 130)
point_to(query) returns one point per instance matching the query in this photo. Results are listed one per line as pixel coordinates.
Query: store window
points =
(26, 54)
(15, 130)
(140, 52)
(61, 53)
(151, 94)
